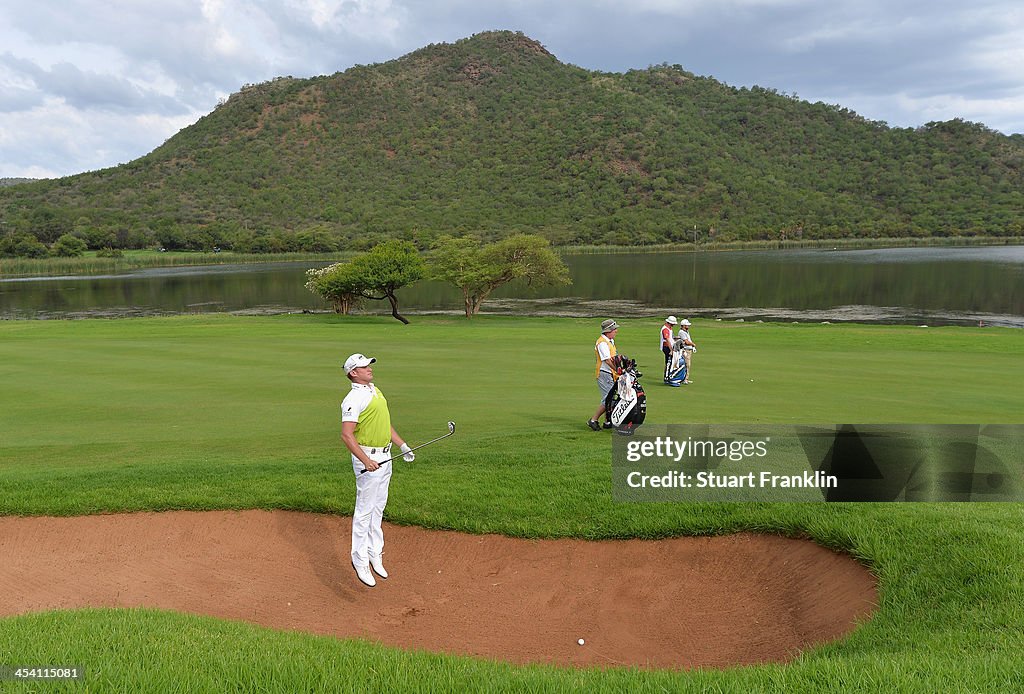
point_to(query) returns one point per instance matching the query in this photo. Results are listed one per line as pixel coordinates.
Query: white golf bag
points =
(675, 374)
(626, 402)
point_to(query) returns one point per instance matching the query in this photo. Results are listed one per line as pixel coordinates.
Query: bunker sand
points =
(674, 603)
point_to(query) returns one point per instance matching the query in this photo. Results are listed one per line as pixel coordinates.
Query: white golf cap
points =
(686, 321)
(356, 361)
(671, 320)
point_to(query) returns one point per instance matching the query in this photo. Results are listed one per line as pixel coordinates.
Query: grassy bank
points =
(90, 264)
(241, 412)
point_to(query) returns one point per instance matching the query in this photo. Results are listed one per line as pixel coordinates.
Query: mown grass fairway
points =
(242, 412)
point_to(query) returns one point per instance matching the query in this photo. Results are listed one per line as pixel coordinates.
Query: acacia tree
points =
(479, 269)
(377, 274)
(388, 267)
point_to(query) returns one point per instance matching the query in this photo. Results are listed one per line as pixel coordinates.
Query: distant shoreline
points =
(779, 244)
(11, 268)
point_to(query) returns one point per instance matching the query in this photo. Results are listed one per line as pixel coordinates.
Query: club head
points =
(451, 427)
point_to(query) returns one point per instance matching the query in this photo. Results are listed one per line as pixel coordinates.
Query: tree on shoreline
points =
(338, 284)
(479, 269)
(377, 274)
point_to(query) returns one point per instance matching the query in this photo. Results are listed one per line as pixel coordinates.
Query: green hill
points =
(493, 134)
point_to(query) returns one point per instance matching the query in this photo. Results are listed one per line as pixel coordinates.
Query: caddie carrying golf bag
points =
(675, 374)
(626, 402)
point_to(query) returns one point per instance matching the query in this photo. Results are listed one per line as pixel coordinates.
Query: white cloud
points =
(1000, 54)
(995, 113)
(368, 19)
(87, 89)
(92, 84)
(828, 34)
(38, 143)
(687, 8)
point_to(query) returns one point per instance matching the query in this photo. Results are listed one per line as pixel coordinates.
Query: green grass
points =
(240, 412)
(89, 264)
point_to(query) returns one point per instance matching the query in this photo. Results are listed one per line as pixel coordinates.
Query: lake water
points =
(933, 286)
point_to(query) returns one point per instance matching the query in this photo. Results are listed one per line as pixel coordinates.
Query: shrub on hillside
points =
(22, 246)
(68, 246)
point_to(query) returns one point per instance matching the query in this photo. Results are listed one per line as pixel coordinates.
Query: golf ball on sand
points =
(580, 642)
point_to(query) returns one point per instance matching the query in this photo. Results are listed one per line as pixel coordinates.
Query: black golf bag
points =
(626, 403)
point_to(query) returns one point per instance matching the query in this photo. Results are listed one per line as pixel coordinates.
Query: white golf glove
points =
(407, 454)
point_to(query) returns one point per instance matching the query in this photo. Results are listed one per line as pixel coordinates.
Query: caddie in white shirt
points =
(367, 433)
(689, 347)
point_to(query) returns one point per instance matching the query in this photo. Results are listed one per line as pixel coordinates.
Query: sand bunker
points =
(676, 603)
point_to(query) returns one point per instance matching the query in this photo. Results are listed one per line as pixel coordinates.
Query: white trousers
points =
(371, 498)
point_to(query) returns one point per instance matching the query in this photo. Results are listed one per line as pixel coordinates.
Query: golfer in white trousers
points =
(367, 433)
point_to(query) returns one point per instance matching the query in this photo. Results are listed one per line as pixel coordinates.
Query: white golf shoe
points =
(363, 572)
(377, 563)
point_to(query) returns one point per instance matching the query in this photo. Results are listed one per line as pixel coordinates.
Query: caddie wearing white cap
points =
(367, 433)
(689, 347)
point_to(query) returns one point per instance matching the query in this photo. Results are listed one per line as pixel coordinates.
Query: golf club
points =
(451, 430)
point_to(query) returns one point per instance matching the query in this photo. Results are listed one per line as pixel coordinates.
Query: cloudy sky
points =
(87, 84)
